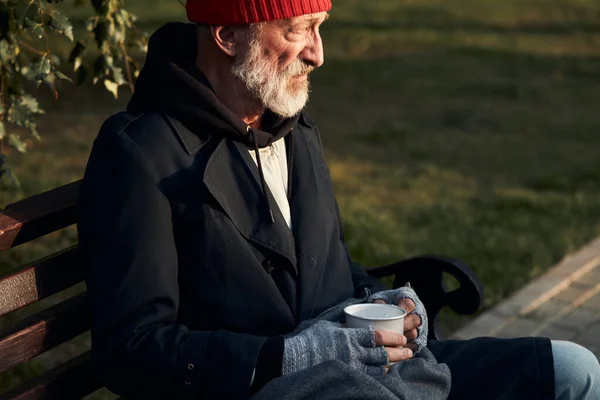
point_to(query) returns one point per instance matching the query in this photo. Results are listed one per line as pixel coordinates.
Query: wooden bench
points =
(33, 335)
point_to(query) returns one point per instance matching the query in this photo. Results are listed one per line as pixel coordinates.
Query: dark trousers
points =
(494, 369)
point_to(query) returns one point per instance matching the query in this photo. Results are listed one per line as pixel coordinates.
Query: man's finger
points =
(411, 334)
(407, 304)
(389, 339)
(380, 301)
(411, 321)
(399, 353)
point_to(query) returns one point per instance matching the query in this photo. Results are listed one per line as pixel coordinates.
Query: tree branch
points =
(2, 79)
(2, 94)
(127, 67)
(31, 48)
(139, 33)
(48, 54)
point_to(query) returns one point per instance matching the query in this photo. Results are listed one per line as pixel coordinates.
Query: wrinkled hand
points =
(415, 322)
(411, 322)
(395, 345)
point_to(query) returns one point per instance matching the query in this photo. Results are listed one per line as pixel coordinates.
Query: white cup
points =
(380, 317)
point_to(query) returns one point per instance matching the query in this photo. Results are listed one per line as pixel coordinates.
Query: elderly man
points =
(216, 261)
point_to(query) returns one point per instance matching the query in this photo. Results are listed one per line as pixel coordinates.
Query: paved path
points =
(562, 304)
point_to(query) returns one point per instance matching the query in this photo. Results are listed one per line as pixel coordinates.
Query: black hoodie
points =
(171, 83)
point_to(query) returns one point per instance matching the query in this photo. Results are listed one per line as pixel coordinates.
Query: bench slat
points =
(31, 283)
(41, 332)
(38, 215)
(71, 380)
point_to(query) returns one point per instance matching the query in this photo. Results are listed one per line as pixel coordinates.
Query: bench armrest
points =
(425, 275)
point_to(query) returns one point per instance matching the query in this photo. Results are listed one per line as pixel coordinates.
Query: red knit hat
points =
(231, 12)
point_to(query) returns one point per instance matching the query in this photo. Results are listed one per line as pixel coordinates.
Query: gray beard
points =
(269, 86)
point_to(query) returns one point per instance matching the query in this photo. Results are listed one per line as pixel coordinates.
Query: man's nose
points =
(313, 52)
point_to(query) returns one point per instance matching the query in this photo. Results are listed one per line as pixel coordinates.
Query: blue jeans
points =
(576, 372)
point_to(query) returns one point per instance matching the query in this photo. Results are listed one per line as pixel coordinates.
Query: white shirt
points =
(275, 169)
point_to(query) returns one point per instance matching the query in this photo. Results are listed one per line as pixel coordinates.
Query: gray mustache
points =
(299, 67)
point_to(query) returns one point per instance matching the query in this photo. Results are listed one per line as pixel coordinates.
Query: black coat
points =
(187, 275)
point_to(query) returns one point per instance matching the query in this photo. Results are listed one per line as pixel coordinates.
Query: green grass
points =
(466, 128)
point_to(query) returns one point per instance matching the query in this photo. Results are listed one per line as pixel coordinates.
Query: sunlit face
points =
(277, 60)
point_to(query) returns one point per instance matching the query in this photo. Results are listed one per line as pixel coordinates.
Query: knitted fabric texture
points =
(420, 378)
(232, 12)
(393, 296)
(327, 340)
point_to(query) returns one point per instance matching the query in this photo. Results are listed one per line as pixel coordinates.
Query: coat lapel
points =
(232, 178)
(312, 218)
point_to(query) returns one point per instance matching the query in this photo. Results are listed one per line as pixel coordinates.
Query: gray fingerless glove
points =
(393, 296)
(326, 340)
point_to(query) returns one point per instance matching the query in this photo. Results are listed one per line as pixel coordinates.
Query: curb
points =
(529, 298)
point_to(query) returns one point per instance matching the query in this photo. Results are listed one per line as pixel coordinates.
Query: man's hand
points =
(411, 322)
(395, 345)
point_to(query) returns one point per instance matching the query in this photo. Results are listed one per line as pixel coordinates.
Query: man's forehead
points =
(308, 18)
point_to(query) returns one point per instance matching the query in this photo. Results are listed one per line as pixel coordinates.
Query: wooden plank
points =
(38, 215)
(70, 381)
(41, 332)
(45, 277)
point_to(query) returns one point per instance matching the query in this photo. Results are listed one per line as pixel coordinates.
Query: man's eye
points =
(299, 30)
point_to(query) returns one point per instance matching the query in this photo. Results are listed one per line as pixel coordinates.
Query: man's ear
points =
(227, 38)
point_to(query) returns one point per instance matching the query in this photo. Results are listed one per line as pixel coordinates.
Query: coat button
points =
(190, 366)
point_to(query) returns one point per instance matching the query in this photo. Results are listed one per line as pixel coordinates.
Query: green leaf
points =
(34, 132)
(80, 75)
(23, 110)
(101, 33)
(5, 171)
(28, 73)
(2, 130)
(135, 68)
(61, 24)
(118, 76)
(141, 45)
(55, 59)
(31, 104)
(90, 25)
(49, 80)
(6, 52)
(124, 17)
(101, 6)
(77, 51)
(41, 68)
(15, 141)
(77, 63)
(76, 54)
(112, 87)
(118, 33)
(28, 23)
(36, 28)
(102, 66)
(60, 75)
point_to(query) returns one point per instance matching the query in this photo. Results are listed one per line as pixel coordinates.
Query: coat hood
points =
(171, 83)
